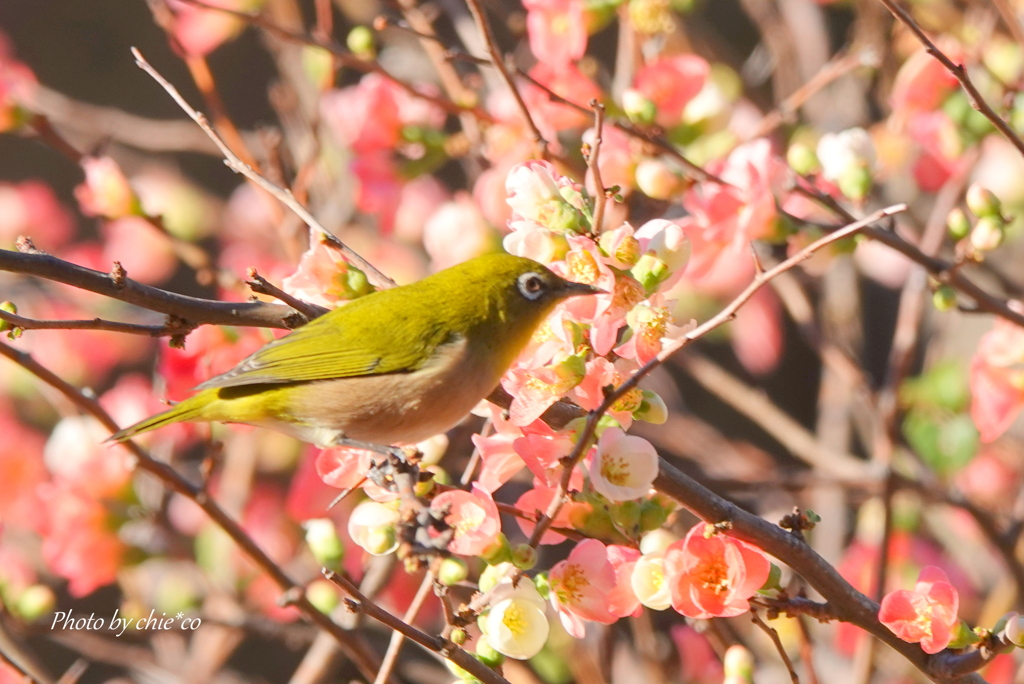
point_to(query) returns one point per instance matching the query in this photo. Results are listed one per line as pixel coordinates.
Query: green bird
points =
(393, 367)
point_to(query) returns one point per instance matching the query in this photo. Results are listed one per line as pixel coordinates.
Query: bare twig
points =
(726, 314)
(282, 195)
(349, 642)
(600, 196)
(499, 63)
(959, 72)
(173, 326)
(774, 636)
(432, 643)
(397, 638)
(261, 285)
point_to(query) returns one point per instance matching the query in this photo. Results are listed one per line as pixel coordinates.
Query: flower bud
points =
(849, 152)
(323, 595)
(34, 602)
(1014, 630)
(856, 182)
(638, 107)
(650, 271)
(982, 201)
(543, 584)
(372, 527)
(318, 65)
(738, 662)
(620, 245)
(652, 408)
(492, 575)
(656, 541)
(987, 233)
(322, 539)
(649, 584)
(360, 41)
(524, 556)
(802, 159)
(458, 636)
(626, 515)
(958, 224)
(657, 180)
(944, 298)
(452, 571)
(963, 636)
(774, 577)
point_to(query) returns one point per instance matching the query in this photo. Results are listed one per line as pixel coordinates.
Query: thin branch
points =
(261, 285)
(174, 326)
(499, 63)
(794, 607)
(725, 315)
(282, 195)
(192, 311)
(774, 636)
(397, 638)
(600, 196)
(959, 72)
(435, 644)
(1010, 18)
(352, 644)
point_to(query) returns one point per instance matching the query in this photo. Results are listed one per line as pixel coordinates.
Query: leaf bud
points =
(323, 595)
(322, 539)
(458, 636)
(963, 636)
(982, 201)
(11, 308)
(360, 41)
(856, 182)
(524, 556)
(543, 585)
(802, 159)
(944, 298)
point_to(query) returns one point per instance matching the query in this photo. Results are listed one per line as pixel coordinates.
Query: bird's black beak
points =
(572, 289)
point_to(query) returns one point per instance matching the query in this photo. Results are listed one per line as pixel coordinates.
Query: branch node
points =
(118, 275)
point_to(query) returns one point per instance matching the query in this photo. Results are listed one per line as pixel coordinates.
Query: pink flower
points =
(536, 501)
(670, 83)
(542, 449)
(624, 466)
(78, 540)
(713, 576)
(698, 662)
(473, 516)
(757, 333)
(580, 586)
(557, 30)
(623, 601)
(17, 87)
(77, 457)
(21, 471)
(144, 251)
(928, 614)
(105, 191)
(921, 84)
(500, 460)
(343, 467)
(456, 232)
(31, 208)
(200, 31)
(566, 81)
(997, 379)
(533, 391)
(324, 277)
(211, 350)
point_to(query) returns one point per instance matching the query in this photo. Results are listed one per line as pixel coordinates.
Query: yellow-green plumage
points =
(395, 366)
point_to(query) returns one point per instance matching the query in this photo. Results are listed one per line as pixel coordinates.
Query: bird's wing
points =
(328, 348)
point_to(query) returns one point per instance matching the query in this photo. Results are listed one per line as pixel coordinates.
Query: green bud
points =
(487, 654)
(323, 595)
(987, 233)
(564, 218)
(524, 556)
(360, 41)
(652, 516)
(355, 283)
(11, 308)
(650, 271)
(318, 64)
(459, 672)
(1014, 629)
(944, 298)
(322, 539)
(982, 201)
(458, 636)
(452, 571)
(491, 575)
(802, 159)
(739, 663)
(381, 540)
(856, 182)
(958, 224)
(543, 584)
(34, 602)
(498, 552)
(638, 107)
(652, 408)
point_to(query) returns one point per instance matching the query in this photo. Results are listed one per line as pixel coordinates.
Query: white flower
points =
(667, 241)
(844, 151)
(516, 624)
(372, 526)
(531, 186)
(625, 466)
(648, 582)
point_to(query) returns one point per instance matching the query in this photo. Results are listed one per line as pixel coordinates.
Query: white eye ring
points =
(531, 285)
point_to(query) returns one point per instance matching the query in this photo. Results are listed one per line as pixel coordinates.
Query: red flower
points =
(713, 576)
(927, 614)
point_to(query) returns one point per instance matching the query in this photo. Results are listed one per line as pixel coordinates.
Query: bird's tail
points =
(192, 408)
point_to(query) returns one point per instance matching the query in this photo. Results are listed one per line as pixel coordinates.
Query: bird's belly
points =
(400, 408)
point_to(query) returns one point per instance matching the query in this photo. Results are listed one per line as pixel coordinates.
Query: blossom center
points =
(582, 267)
(615, 469)
(570, 589)
(515, 619)
(714, 575)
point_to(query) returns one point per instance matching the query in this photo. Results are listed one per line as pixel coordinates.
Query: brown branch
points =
(397, 638)
(794, 607)
(774, 636)
(959, 72)
(600, 197)
(725, 315)
(282, 195)
(261, 285)
(499, 63)
(351, 643)
(192, 311)
(435, 644)
(174, 326)
(1009, 15)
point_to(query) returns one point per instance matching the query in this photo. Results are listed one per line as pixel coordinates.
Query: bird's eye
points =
(531, 285)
